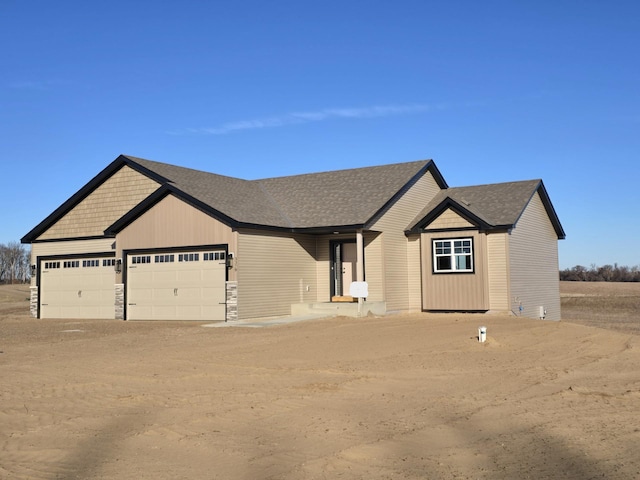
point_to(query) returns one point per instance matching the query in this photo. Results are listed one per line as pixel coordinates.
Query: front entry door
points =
(349, 259)
(344, 258)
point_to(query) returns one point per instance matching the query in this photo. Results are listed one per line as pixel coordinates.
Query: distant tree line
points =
(605, 273)
(14, 263)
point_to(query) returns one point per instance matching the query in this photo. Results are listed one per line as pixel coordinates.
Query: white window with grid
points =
(453, 255)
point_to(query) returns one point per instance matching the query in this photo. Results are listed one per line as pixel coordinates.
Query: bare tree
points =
(14, 263)
(605, 273)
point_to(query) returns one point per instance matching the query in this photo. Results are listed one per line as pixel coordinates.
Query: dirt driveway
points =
(399, 397)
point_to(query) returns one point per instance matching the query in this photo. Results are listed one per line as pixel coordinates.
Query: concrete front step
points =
(340, 308)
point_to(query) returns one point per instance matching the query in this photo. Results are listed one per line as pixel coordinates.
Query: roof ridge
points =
(341, 171)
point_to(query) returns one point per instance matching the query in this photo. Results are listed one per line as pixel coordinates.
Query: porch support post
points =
(359, 256)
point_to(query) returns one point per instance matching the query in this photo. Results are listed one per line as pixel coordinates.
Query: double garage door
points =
(176, 285)
(77, 287)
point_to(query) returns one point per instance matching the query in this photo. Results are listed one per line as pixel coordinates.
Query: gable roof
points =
(490, 207)
(311, 202)
(326, 200)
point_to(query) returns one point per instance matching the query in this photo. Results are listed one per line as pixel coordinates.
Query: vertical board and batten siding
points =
(455, 291)
(498, 272)
(174, 223)
(274, 271)
(106, 204)
(415, 272)
(533, 263)
(395, 255)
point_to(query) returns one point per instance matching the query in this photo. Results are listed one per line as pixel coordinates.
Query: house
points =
(145, 240)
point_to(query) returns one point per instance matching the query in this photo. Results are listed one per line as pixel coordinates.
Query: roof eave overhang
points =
(551, 212)
(449, 203)
(86, 190)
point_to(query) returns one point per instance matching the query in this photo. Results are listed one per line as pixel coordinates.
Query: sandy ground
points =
(398, 397)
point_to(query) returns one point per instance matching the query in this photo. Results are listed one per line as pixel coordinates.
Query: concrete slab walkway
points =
(268, 322)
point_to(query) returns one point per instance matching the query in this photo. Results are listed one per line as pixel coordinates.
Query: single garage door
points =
(176, 286)
(77, 288)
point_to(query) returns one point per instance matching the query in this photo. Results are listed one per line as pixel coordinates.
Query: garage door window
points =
(164, 258)
(71, 264)
(189, 257)
(91, 263)
(50, 265)
(214, 256)
(141, 259)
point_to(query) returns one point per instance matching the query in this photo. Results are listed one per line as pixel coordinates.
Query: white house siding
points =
(106, 204)
(533, 263)
(274, 271)
(450, 219)
(394, 241)
(498, 272)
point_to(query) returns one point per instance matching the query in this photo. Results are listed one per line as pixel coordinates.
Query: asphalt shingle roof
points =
(316, 200)
(497, 204)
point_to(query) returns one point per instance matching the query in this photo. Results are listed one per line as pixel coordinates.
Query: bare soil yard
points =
(398, 397)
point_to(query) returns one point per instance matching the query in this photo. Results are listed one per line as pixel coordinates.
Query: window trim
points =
(452, 256)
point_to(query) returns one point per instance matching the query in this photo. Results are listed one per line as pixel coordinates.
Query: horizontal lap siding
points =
(374, 268)
(399, 279)
(274, 272)
(323, 269)
(71, 247)
(106, 204)
(533, 252)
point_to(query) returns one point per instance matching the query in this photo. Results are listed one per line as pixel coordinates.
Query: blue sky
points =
(493, 91)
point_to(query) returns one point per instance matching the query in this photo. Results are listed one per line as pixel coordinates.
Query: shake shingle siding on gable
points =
(108, 202)
(280, 243)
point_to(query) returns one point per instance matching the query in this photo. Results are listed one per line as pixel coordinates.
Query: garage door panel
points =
(68, 289)
(176, 290)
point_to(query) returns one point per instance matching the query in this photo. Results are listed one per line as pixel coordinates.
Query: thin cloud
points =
(296, 118)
